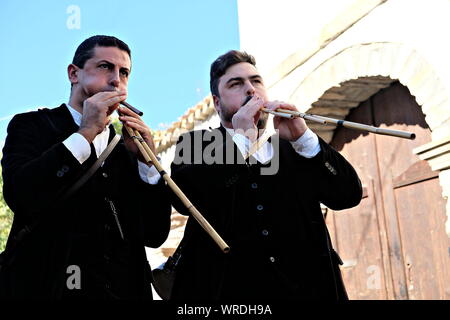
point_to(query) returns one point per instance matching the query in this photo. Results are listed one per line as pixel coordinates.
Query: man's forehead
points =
(113, 55)
(242, 69)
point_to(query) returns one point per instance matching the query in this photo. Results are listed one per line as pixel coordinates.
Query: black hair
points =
(220, 66)
(85, 50)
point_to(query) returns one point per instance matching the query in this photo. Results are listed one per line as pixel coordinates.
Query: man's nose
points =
(115, 78)
(250, 89)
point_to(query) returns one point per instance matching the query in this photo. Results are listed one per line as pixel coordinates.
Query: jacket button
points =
(59, 174)
(272, 259)
(254, 185)
(105, 175)
(65, 169)
(265, 232)
(259, 207)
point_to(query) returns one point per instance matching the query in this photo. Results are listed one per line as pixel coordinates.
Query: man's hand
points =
(96, 112)
(132, 120)
(245, 118)
(289, 129)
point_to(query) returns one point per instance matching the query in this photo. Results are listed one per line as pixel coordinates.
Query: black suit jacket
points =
(80, 231)
(280, 247)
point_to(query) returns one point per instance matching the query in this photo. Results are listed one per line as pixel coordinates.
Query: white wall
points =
(421, 24)
(272, 29)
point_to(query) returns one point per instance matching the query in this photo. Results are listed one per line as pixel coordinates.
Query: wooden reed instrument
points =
(348, 124)
(326, 120)
(149, 156)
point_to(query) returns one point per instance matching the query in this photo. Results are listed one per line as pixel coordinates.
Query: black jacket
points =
(81, 231)
(280, 247)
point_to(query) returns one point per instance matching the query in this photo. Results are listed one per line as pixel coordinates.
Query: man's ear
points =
(72, 73)
(217, 104)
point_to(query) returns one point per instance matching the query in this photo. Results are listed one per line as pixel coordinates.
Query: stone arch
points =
(354, 74)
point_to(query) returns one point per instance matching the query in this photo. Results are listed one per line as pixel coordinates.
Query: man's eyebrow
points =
(234, 79)
(105, 61)
(256, 76)
(126, 69)
(112, 64)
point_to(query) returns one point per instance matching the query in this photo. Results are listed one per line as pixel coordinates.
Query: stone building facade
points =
(386, 56)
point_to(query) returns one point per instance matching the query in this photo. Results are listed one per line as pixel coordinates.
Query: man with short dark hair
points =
(89, 245)
(271, 219)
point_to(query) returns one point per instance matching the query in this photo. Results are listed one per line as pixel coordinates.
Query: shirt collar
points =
(230, 131)
(75, 115)
(269, 130)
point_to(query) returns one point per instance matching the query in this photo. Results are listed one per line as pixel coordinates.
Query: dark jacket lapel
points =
(60, 121)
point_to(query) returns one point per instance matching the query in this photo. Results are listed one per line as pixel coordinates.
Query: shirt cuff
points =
(78, 146)
(148, 174)
(307, 145)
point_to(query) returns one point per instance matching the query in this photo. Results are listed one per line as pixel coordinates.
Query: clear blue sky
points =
(173, 43)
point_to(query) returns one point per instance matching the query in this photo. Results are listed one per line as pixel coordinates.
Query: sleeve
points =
(78, 146)
(187, 175)
(148, 174)
(35, 172)
(307, 145)
(334, 179)
(155, 213)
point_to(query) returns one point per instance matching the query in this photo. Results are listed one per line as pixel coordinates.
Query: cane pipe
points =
(150, 158)
(348, 124)
(290, 114)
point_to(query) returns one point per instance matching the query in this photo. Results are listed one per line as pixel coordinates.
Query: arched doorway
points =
(394, 243)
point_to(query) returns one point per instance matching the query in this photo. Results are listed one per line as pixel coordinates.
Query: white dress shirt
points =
(307, 146)
(79, 147)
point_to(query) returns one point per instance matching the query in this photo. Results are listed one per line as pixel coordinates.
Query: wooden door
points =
(394, 243)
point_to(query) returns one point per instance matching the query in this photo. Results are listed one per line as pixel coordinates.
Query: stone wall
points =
(349, 56)
(362, 50)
